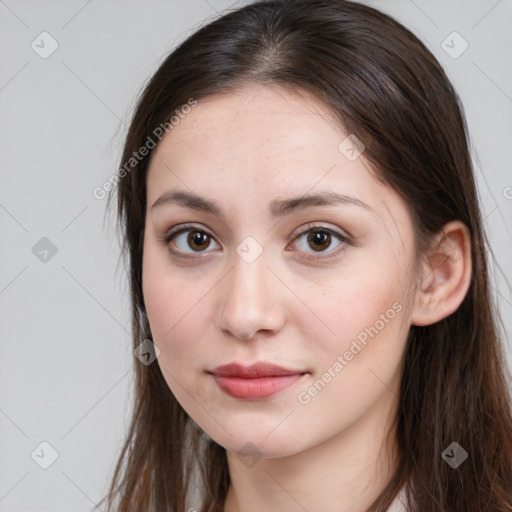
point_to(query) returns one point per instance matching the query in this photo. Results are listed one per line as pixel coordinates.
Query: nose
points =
(251, 300)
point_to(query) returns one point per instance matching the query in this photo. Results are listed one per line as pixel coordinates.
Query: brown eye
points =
(198, 240)
(189, 240)
(318, 240)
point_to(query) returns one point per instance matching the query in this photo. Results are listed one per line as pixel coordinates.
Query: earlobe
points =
(446, 276)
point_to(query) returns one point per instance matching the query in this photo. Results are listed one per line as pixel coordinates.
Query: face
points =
(239, 266)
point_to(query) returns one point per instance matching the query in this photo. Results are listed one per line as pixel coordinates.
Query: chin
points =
(258, 444)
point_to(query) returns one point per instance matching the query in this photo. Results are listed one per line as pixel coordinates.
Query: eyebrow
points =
(278, 207)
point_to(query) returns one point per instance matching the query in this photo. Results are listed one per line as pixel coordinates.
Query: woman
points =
(307, 261)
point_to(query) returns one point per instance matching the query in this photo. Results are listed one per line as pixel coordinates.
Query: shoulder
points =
(398, 504)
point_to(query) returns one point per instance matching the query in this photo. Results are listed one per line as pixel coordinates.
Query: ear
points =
(446, 275)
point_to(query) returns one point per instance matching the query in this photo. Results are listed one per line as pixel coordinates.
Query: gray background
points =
(65, 364)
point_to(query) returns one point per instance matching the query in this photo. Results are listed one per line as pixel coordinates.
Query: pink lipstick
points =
(259, 380)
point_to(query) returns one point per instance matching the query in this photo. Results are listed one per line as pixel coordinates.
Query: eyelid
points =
(310, 226)
(183, 227)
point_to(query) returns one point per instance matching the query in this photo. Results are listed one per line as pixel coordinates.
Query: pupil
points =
(198, 239)
(319, 239)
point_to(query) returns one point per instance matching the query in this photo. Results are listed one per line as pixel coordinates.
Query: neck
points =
(346, 473)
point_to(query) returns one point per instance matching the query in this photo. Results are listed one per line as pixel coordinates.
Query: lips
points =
(259, 380)
(254, 371)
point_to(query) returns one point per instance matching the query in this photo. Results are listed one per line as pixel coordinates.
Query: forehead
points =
(257, 136)
(258, 112)
(248, 150)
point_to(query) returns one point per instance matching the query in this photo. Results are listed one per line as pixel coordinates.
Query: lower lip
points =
(261, 387)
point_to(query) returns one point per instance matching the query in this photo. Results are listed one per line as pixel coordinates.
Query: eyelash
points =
(189, 227)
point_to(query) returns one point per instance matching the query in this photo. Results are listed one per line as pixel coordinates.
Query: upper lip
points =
(253, 371)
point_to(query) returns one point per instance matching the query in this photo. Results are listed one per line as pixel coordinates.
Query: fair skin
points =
(211, 306)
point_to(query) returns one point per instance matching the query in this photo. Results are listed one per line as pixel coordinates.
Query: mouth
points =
(260, 380)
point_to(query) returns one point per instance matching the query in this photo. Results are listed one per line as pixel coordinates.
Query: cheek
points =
(358, 365)
(365, 314)
(176, 305)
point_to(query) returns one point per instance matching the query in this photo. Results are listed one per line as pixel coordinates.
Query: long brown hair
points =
(389, 90)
